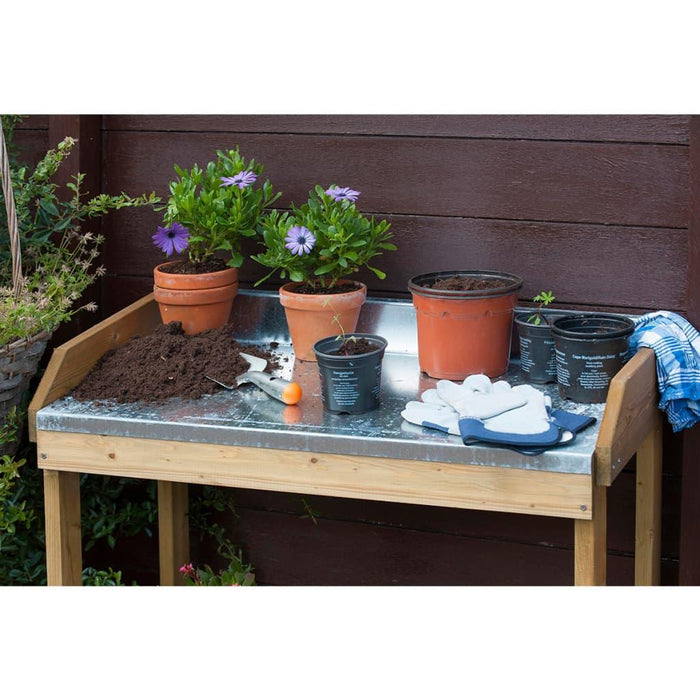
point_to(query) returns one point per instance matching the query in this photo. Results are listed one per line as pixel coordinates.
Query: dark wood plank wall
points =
(594, 207)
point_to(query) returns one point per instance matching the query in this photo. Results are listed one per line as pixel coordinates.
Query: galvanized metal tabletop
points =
(248, 417)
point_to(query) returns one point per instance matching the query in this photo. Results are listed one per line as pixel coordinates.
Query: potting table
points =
(245, 439)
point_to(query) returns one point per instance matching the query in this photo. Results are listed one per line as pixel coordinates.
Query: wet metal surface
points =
(248, 417)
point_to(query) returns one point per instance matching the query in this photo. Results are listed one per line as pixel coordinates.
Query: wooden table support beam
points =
(590, 543)
(647, 540)
(173, 531)
(64, 558)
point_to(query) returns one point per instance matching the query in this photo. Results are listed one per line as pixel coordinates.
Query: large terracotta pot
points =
(200, 302)
(310, 317)
(464, 332)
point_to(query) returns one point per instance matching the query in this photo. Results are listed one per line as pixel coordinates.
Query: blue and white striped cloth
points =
(676, 345)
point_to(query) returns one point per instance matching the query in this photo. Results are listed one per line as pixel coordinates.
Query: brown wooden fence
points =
(597, 208)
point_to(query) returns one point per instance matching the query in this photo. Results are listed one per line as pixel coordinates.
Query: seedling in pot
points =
(345, 346)
(544, 299)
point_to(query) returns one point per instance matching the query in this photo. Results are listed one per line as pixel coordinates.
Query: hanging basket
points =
(19, 359)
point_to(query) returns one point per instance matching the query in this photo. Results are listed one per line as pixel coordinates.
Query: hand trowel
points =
(280, 389)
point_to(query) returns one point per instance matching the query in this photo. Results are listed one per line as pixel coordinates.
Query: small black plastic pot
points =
(350, 383)
(590, 350)
(538, 361)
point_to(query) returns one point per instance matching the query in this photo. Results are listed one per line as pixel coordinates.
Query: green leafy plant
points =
(21, 526)
(116, 507)
(58, 258)
(235, 574)
(95, 577)
(209, 501)
(322, 241)
(544, 299)
(213, 210)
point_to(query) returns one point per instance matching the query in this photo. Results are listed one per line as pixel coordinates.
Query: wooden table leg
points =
(173, 532)
(647, 541)
(64, 556)
(590, 543)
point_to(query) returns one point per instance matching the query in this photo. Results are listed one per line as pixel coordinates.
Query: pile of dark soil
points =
(463, 283)
(169, 363)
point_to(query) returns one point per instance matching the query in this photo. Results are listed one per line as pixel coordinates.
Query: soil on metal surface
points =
(463, 283)
(168, 363)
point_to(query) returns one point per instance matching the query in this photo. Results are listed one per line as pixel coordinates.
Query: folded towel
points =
(676, 345)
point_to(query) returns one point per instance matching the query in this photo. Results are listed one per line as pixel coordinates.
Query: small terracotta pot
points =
(464, 332)
(200, 302)
(310, 317)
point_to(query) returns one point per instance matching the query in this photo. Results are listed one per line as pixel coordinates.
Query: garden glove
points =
(497, 413)
(432, 412)
(431, 415)
(477, 398)
(527, 425)
(528, 428)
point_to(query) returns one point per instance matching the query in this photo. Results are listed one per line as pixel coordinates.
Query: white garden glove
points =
(478, 398)
(528, 419)
(479, 410)
(431, 411)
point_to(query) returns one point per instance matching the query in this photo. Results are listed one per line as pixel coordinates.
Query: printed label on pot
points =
(344, 386)
(545, 347)
(525, 356)
(591, 371)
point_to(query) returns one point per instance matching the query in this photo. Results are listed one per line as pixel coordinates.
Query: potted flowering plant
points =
(208, 215)
(318, 246)
(46, 260)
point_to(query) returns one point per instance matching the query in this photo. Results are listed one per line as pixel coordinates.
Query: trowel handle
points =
(280, 389)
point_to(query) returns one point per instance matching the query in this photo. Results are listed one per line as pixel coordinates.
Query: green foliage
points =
(93, 577)
(544, 299)
(346, 240)
(218, 216)
(60, 274)
(116, 507)
(236, 572)
(58, 259)
(21, 515)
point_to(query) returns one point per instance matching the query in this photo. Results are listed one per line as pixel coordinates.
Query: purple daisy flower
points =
(243, 179)
(299, 240)
(339, 193)
(174, 238)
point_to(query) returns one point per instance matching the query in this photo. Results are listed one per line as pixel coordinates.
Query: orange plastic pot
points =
(200, 302)
(311, 317)
(464, 332)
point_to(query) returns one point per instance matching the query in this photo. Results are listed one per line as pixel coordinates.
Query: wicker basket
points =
(20, 359)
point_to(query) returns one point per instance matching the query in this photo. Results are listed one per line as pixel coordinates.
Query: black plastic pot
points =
(350, 383)
(590, 351)
(537, 358)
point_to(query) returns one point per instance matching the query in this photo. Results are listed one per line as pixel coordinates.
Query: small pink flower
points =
(187, 570)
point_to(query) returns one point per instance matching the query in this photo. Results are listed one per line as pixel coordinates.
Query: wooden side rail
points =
(71, 361)
(631, 413)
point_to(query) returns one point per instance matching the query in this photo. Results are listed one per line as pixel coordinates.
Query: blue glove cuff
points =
(473, 429)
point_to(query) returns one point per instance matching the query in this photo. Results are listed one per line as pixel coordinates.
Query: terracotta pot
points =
(464, 332)
(310, 317)
(200, 302)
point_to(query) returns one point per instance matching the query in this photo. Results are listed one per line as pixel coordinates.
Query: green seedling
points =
(544, 299)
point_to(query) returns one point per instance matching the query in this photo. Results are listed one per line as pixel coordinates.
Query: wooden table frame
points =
(631, 424)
